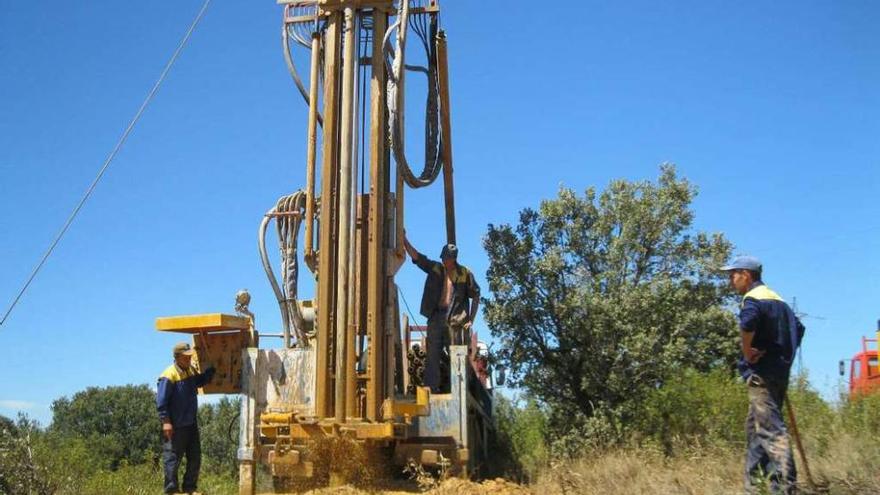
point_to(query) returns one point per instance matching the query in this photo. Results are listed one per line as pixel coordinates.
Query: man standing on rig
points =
(177, 402)
(771, 334)
(450, 301)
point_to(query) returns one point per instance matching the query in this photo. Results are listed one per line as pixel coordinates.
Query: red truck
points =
(864, 369)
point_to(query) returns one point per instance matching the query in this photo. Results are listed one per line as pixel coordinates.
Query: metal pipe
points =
(345, 200)
(377, 230)
(353, 257)
(398, 191)
(326, 290)
(309, 252)
(446, 135)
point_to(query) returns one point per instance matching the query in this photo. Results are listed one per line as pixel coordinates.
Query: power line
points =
(110, 158)
(406, 304)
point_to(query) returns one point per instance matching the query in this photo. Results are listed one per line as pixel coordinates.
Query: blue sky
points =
(770, 109)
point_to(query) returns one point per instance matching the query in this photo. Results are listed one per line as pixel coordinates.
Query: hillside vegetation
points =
(618, 330)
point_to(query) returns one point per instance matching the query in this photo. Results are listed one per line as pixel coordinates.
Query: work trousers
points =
(768, 451)
(437, 341)
(184, 442)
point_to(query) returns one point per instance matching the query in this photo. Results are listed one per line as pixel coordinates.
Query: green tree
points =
(119, 423)
(218, 428)
(21, 471)
(597, 299)
(520, 449)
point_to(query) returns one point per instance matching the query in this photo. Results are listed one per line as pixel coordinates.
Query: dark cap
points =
(183, 348)
(744, 263)
(449, 252)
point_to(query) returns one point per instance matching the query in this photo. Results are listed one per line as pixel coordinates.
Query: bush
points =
(520, 449)
(694, 408)
(218, 428)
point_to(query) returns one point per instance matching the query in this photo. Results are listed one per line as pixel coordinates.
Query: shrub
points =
(218, 428)
(693, 407)
(520, 449)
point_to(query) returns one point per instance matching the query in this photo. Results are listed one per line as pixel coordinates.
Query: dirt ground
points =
(453, 486)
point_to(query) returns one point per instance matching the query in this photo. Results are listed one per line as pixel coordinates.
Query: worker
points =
(177, 402)
(450, 301)
(770, 335)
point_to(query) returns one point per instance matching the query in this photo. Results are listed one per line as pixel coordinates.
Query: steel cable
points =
(110, 158)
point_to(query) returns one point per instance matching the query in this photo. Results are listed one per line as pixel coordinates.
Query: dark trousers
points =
(184, 442)
(437, 341)
(768, 446)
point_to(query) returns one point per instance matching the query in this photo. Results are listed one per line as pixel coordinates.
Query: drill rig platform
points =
(346, 368)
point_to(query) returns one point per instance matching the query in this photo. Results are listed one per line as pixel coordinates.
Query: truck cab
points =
(864, 370)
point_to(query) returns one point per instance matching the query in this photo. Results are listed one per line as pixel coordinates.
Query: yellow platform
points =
(209, 322)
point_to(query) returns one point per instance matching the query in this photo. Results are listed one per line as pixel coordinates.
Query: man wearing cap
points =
(449, 301)
(770, 335)
(177, 402)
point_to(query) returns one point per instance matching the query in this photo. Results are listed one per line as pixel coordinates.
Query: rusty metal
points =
(311, 152)
(326, 303)
(361, 377)
(376, 248)
(345, 207)
(446, 135)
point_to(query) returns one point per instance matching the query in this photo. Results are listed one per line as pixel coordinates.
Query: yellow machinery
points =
(341, 372)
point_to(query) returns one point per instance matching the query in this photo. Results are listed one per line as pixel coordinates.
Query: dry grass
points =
(643, 472)
(842, 470)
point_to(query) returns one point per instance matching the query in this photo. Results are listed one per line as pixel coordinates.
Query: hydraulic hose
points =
(396, 97)
(288, 214)
(291, 67)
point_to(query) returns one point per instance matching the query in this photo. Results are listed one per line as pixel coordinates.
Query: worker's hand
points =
(755, 355)
(467, 325)
(167, 431)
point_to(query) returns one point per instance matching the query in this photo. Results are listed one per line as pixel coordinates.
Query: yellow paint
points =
(209, 322)
(421, 407)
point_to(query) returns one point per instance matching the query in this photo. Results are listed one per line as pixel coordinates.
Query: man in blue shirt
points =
(770, 335)
(177, 402)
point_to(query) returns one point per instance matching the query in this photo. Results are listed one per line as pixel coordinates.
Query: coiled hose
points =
(396, 96)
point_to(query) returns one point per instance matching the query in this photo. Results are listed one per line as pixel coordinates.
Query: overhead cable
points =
(110, 158)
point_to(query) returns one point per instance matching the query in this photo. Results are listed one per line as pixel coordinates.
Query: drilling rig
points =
(347, 368)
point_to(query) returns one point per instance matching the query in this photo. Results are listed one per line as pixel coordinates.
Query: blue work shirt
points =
(776, 330)
(177, 394)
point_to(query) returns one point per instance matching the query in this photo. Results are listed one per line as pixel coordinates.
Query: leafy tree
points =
(597, 299)
(218, 428)
(119, 423)
(21, 471)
